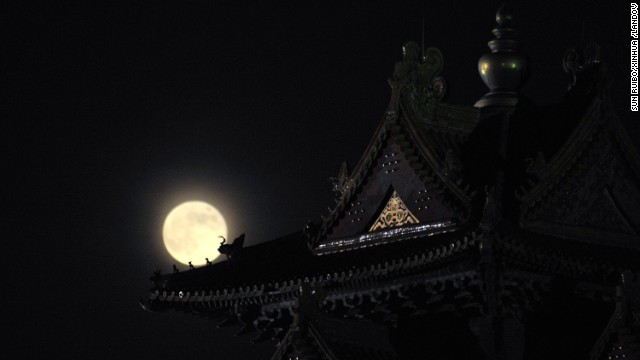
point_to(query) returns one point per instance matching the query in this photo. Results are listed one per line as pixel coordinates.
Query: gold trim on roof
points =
(394, 214)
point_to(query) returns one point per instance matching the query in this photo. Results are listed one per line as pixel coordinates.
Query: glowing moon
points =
(191, 231)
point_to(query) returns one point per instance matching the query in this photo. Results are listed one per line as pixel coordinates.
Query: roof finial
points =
(503, 69)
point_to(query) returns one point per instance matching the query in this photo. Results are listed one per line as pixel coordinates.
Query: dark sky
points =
(115, 113)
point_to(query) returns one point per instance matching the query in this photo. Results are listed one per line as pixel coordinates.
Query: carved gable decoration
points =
(394, 214)
(398, 197)
(404, 187)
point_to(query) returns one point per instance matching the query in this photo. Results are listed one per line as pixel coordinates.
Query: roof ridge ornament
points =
(342, 183)
(503, 69)
(580, 58)
(418, 77)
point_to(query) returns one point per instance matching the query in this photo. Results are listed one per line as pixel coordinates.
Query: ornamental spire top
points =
(503, 69)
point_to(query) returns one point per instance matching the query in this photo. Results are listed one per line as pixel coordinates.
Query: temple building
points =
(464, 232)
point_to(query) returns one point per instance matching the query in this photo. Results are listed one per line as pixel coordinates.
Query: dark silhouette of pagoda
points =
(505, 230)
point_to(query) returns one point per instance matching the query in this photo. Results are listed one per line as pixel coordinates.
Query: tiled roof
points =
(253, 276)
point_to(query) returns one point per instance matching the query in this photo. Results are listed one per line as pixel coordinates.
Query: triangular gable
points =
(392, 172)
(403, 157)
(589, 190)
(394, 167)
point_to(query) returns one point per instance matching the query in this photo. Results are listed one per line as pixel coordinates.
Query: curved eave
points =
(385, 236)
(146, 305)
(359, 172)
(337, 276)
(548, 254)
(429, 155)
(563, 160)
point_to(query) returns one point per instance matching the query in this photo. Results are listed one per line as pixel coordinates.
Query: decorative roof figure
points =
(503, 69)
(233, 249)
(581, 59)
(418, 78)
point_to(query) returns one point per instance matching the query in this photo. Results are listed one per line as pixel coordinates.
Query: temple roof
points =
(252, 277)
(253, 274)
(475, 212)
(435, 163)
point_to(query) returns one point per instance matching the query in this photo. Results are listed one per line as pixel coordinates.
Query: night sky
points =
(114, 114)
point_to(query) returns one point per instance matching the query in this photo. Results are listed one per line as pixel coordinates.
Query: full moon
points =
(191, 231)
